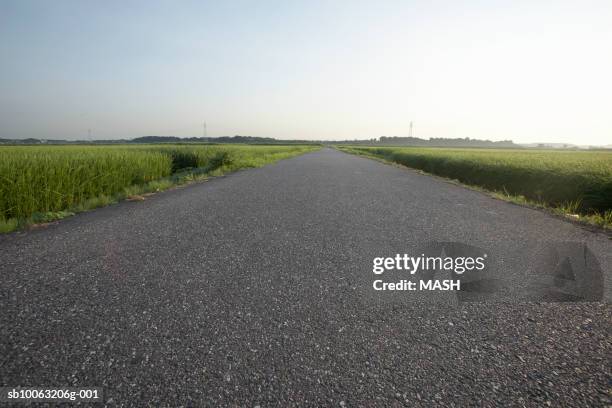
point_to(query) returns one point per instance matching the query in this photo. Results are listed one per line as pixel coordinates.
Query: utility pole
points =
(410, 132)
(89, 134)
(204, 130)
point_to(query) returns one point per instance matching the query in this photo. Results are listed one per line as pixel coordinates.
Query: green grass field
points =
(570, 182)
(41, 183)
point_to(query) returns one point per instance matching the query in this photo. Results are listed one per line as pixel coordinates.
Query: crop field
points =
(39, 183)
(576, 182)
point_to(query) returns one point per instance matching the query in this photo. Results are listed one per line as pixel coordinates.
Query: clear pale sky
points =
(530, 71)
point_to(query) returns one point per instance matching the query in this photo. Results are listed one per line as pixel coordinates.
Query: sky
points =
(530, 71)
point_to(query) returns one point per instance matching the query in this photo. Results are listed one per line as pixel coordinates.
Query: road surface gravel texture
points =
(255, 289)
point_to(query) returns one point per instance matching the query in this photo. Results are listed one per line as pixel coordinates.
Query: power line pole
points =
(204, 133)
(410, 132)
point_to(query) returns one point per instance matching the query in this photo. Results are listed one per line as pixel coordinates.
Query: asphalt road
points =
(256, 289)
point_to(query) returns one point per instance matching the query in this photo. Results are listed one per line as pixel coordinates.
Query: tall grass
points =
(576, 180)
(42, 179)
(46, 179)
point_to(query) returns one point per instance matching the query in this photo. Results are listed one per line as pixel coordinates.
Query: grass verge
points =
(207, 161)
(575, 185)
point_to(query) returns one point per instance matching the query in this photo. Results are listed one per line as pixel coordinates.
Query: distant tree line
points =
(222, 139)
(165, 139)
(432, 142)
(381, 141)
